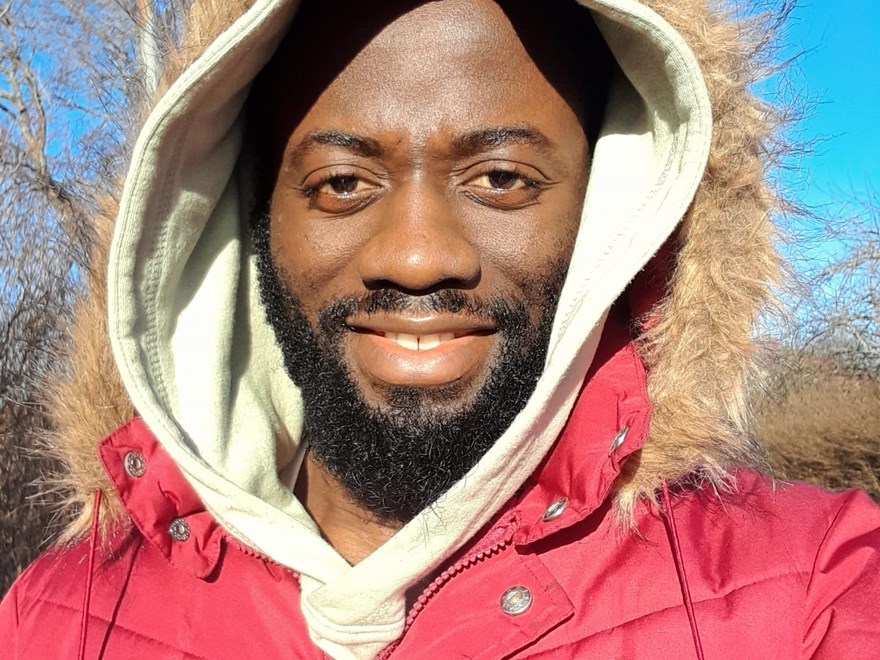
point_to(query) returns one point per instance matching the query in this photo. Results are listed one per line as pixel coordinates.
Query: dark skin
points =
(437, 156)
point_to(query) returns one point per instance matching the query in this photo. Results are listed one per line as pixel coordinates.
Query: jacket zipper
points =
(458, 567)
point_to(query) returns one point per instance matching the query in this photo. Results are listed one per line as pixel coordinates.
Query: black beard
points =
(399, 458)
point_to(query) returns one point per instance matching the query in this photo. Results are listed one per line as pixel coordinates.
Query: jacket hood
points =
(675, 219)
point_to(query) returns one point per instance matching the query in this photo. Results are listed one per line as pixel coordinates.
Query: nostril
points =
(420, 274)
(442, 285)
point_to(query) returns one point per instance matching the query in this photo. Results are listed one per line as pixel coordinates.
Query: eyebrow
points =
(357, 144)
(484, 139)
(469, 144)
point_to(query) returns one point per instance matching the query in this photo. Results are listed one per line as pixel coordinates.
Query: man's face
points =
(421, 223)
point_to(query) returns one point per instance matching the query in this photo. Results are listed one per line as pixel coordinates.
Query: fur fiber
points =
(696, 339)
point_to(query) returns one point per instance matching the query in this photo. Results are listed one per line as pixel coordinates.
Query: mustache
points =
(503, 313)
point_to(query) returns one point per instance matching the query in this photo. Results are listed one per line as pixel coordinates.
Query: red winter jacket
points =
(765, 572)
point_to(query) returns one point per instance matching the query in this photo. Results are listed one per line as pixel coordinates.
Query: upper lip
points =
(383, 324)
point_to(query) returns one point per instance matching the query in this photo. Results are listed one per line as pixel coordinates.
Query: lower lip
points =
(390, 363)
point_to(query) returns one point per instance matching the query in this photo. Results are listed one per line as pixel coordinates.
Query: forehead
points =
(422, 67)
(430, 69)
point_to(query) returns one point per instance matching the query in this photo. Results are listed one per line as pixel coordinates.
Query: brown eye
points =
(343, 185)
(503, 187)
(502, 180)
(340, 192)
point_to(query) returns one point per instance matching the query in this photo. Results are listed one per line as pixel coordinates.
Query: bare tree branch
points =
(73, 74)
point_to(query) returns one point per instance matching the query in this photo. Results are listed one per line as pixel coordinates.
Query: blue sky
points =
(841, 72)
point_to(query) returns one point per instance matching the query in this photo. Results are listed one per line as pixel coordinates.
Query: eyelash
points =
(524, 192)
(311, 190)
(528, 181)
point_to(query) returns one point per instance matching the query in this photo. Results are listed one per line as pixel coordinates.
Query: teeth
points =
(427, 342)
(408, 341)
(419, 342)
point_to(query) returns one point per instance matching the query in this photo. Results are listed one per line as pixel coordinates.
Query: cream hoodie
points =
(200, 362)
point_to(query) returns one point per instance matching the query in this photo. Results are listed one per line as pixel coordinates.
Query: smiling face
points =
(422, 219)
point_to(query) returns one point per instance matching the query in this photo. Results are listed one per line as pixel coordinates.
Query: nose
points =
(419, 244)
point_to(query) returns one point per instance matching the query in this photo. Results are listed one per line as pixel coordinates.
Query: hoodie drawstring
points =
(87, 598)
(679, 567)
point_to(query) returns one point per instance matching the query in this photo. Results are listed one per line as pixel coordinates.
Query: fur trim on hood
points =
(715, 273)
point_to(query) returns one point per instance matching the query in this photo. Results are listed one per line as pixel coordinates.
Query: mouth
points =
(419, 351)
(425, 342)
(420, 334)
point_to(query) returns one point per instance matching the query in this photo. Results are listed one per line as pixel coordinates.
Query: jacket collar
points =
(160, 502)
(609, 422)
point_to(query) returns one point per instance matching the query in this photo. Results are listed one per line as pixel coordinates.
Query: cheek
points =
(527, 246)
(314, 255)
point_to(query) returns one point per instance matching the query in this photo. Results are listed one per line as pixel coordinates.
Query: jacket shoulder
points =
(49, 590)
(823, 546)
(42, 614)
(50, 576)
(810, 515)
(844, 581)
(786, 526)
(143, 605)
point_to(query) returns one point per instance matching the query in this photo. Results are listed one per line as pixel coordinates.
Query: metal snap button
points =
(618, 439)
(179, 529)
(516, 600)
(135, 464)
(555, 510)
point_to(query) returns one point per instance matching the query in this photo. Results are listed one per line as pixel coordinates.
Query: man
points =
(435, 316)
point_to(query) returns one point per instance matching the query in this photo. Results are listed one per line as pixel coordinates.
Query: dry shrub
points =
(25, 521)
(820, 422)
